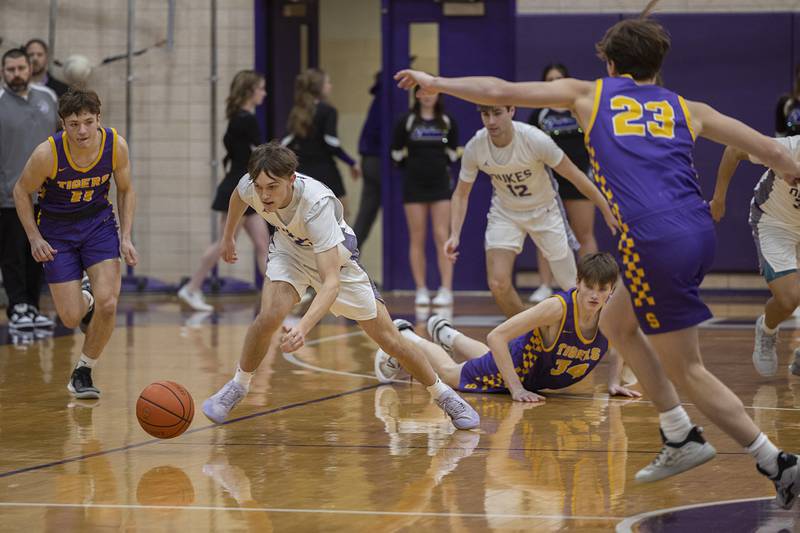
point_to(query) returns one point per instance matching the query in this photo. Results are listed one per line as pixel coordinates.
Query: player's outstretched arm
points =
(458, 211)
(126, 201)
(486, 90)
(38, 168)
(546, 313)
(615, 367)
(328, 265)
(713, 125)
(236, 210)
(581, 181)
(727, 166)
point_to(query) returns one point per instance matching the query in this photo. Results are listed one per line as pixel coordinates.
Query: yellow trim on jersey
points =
(598, 91)
(114, 150)
(52, 142)
(560, 328)
(688, 116)
(575, 319)
(97, 160)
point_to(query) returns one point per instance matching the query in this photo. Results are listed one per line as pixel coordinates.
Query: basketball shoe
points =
(677, 457)
(81, 386)
(460, 412)
(765, 355)
(787, 480)
(218, 407)
(387, 368)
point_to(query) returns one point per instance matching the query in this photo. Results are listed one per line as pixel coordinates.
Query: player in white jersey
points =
(516, 156)
(312, 246)
(775, 219)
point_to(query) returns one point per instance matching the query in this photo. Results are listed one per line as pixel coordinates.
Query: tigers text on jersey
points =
(518, 172)
(69, 188)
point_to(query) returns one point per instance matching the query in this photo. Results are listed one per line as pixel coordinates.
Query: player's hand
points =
(451, 249)
(293, 339)
(522, 395)
(42, 251)
(228, 251)
(717, 209)
(611, 220)
(355, 171)
(129, 253)
(619, 390)
(408, 79)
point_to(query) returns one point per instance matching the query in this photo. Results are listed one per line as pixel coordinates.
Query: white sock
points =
(411, 335)
(675, 424)
(765, 454)
(448, 336)
(243, 378)
(85, 360)
(768, 330)
(437, 389)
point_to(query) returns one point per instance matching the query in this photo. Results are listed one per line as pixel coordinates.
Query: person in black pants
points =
(312, 134)
(426, 142)
(564, 129)
(247, 93)
(369, 147)
(28, 116)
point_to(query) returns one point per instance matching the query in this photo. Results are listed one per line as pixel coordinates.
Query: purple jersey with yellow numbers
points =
(76, 218)
(567, 360)
(70, 189)
(640, 141)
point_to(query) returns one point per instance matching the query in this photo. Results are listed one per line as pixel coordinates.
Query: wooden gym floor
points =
(318, 445)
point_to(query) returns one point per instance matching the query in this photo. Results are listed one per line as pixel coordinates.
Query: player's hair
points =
(636, 46)
(488, 108)
(38, 41)
(555, 66)
(14, 53)
(243, 86)
(438, 110)
(598, 269)
(75, 101)
(273, 158)
(307, 91)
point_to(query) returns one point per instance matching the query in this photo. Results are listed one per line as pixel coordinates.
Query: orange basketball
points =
(165, 409)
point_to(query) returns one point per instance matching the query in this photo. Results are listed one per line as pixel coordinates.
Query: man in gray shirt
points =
(28, 116)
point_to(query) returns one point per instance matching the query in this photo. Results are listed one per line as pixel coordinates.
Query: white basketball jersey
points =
(294, 235)
(774, 196)
(519, 176)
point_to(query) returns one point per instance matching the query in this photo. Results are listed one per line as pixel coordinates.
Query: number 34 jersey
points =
(519, 172)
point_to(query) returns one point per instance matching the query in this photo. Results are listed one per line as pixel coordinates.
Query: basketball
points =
(165, 409)
(77, 69)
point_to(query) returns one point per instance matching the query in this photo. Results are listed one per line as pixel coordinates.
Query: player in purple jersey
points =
(552, 345)
(75, 229)
(640, 137)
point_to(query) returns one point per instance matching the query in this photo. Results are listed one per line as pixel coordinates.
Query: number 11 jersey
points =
(519, 171)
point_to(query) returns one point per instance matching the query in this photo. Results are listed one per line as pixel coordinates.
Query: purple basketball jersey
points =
(567, 360)
(70, 189)
(640, 141)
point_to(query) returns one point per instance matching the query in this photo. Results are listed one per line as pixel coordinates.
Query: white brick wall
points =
(171, 124)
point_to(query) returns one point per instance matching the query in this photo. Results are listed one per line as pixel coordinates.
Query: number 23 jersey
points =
(520, 178)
